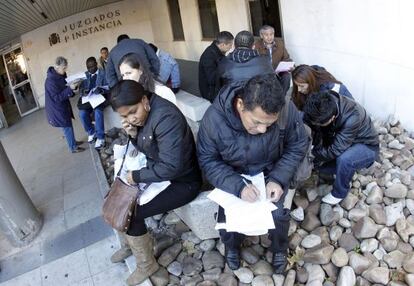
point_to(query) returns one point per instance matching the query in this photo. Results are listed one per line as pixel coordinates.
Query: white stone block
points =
(193, 107)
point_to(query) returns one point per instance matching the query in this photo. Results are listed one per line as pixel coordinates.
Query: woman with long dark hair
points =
(309, 79)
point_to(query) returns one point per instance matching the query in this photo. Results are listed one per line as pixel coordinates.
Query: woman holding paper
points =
(160, 131)
(58, 109)
(310, 79)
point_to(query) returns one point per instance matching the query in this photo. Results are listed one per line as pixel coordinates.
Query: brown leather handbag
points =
(120, 202)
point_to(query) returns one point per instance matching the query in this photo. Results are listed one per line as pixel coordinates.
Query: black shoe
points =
(79, 143)
(78, 150)
(279, 262)
(233, 258)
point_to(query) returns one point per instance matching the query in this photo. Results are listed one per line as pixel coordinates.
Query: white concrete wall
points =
(232, 17)
(40, 55)
(367, 44)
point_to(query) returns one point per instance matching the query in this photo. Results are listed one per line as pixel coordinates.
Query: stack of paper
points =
(75, 77)
(284, 67)
(244, 217)
(133, 162)
(93, 98)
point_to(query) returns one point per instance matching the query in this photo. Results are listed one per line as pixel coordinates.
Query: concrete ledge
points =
(193, 107)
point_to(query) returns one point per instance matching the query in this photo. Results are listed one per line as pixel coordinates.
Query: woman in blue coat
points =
(309, 79)
(58, 109)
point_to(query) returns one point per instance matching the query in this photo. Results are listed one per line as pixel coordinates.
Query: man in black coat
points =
(244, 62)
(240, 134)
(209, 60)
(124, 46)
(345, 139)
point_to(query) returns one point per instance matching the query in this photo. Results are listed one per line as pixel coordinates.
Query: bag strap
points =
(123, 158)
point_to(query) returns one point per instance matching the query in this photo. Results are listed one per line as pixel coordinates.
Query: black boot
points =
(232, 258)
(279, 262)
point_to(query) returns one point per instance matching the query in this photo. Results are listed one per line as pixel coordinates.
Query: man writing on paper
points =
(276, 50)
(239, 134)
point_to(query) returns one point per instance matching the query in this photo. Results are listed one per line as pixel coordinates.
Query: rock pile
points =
(367, 239)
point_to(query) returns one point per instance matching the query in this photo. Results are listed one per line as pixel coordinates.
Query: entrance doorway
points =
(17, 93)
(265, 12)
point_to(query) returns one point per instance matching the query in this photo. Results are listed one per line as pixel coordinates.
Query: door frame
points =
(28, 80)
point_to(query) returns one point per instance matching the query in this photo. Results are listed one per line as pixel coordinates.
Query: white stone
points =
(298, 214)
(393, 213)
(369, 245)
(346, 277)
(310, 241)
(192, 106)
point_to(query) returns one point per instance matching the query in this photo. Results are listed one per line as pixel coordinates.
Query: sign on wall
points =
(85, 27)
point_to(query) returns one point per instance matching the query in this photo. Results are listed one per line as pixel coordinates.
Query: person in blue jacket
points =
(309, 79)
(58, 109)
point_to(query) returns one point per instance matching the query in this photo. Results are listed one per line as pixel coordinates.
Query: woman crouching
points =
(159, 130)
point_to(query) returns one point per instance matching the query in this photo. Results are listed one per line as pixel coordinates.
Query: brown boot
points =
(124, 252)
(142, 248)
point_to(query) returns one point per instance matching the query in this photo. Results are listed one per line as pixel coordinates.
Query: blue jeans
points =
(356, 157)
(70, 137)
(85, 117)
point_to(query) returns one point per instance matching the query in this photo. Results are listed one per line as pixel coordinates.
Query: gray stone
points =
(171, 218)
(340, 257)
(409, 278)
(326, 214)
(365, 228)
(348, 242)
(405, 178)
(349, 202)
(408, 263)
(262, 268)
(404, 228)
(404, 247)
(409, 203)
(310, 241)
(396, 191)
(290, 278)
(310, 222)
(160, 278)
(227, 279)
(199, 216)
(377, 213)
(212, 259)
(279, 279)
(302, 275)
(220, 247)
(161, 244)
(262, 280)
(312, 194)
(394, 259)
(207, 245)
(375, 196)
(344, 223)
(356, 214)
(249, 255)
(207, 283)
(322, 232)
(191, 281)
(298, 214)
(379, 253)
(191, 236)
(335, 233)
(320, 254)
(313, 208)
(316, 274)
(395, 144)
(377, 275)
(170, 254)
(175, 268)
(369, 245)
(359, 262)
(393, 213)
(295, 240)
(346, 277)
(244, 274)
(191, 266)
(292, 227)
(389, 243)
(212, 274)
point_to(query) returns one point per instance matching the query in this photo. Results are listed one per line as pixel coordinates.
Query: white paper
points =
(151, 191)
(284, 66)
(75, 77)
(245, 217)
(96, 99)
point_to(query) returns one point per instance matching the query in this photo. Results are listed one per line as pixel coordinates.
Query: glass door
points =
(19, 81)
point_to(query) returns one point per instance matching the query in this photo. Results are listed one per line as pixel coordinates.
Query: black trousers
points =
(278, 236)
(176, 195)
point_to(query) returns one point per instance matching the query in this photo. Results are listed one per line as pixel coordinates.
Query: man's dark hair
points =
(127, 93)
(91, 60)
(224, 37)
(122, 37)
(154, 47)
(104, 49)
(263, 91)
(320, 107)
(244, 39)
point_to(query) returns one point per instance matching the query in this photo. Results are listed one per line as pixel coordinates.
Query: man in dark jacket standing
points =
(239, 134)
(209, 60)
(244, 62)
(345, 139)
(124, 46)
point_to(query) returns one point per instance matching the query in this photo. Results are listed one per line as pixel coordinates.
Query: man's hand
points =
(129, 129)
(130, 179)
(74, 85)
(273, 191)
(250, 193)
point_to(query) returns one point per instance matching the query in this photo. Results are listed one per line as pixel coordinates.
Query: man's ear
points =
(239, 104)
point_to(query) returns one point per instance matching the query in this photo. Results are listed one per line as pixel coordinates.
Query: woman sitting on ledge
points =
(309, 79)
(158, 129)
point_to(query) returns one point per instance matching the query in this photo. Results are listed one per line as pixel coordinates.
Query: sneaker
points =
(279, 262)
(330, 199)
(91, 138)
(78, 150)
(232, 257)
(99, 143)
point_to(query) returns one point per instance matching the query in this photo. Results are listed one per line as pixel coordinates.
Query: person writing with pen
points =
(240, 134)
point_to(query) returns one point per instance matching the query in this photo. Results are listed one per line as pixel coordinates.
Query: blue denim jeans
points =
(356, 157)
(86, 119)
(70, 137)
